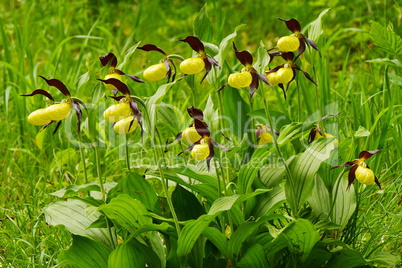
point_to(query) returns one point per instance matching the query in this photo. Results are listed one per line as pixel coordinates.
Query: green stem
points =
(219, 178)
(299, 102)
(83, 160)
(98, 170)
(127, 155)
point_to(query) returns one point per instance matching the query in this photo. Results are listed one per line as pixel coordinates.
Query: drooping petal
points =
(118, 84)
(351, 176)
(56, 128)
(211, 154)
(347, 164)
(40, 92)
(195, 113)
(220, 146)
(78, 111)
(312, 44)
(132, 77)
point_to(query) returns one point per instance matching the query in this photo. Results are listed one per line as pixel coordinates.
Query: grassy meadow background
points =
(63, 40)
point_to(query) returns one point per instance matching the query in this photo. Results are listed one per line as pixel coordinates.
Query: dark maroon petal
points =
(195, 113)
(178, 137)
(283, 90)
(330, 115)
(213, 61)
(194, 43)
(274, 54)
(288, 56)
(56, 128)
(243, 56)
(208, 67)
(151, 47)
(132, 77)
(211, 154)
(312, 44)
(301, 48)
(220, 146)
(40, 92)
(110, 57)
(254, 84)
(201, 128)
(258, 133)
(264, 79)
(347, 164)
(57, 84)
(78, 111)
(222, 87)
(367, 154)
(305, 74)
(117, 98)
(273, 70)
(351, 176)
(118, 84)
(377, 182)
(311, 136)
(292, 24)
(134, 108)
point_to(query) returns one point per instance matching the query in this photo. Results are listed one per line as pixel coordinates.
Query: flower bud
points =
(117, 112)
(112, 75)
(284, 75)
(155, 72)
(58, 111)
(200, 151)
(288, 43)
(265, 137)
(190, 135)
(126, 125)
(38, 118)
(238, 80)
(192, 66)
(364, 175)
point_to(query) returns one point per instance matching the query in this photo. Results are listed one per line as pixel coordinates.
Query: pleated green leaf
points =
(126, 255)
(127, 212)
(73, 215)
(85, 253)
(218, 239)
(254, 257)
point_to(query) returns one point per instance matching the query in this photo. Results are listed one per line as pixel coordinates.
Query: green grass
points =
(63, 39)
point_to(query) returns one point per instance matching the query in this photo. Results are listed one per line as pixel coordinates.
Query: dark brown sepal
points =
(377, 182)
(288, 56)
(151, 47)
(195, 113)
(57, 84)
(367, 154)
(351, 176)
(264, 79)
(211, 154)
(208, 67)
(275, 69)
(301, 48)
(258, 132)
(305, 74)
(292, 24)
(132, 77)
(40, 92)
(194, 43)
(202, 128)
(57, 126)
(219, 145)
(222, 87)
(109, 57)
(254, 84)
(117, 98)
(78, 111)
(311, 135)
(118, 84)
(274, 54)
(243, 56)
(347, 164)
(178, 137)
(283, 90)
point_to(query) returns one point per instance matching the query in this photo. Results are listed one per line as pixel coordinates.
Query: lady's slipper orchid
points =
(360, 170)
(248, 76)
(286, 73)
(113, 72)
(199, 63)
(297, 41)
(263, 133)
(55, 111)
(126, 114)
(161, 70)
(317, 132)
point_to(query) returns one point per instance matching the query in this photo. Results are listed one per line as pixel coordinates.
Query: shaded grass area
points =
(63, 39)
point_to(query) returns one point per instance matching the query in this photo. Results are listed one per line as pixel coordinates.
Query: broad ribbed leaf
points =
(202, 25)
(85, 253)
(73, 215)
(242, 233)
(385, 38)
(126, 255)
(394, 62)
(127, 212)
(218, 239)
(268, 202)
(315, 27)
(203, 177)
(186, 204)
(303, 168)
(293, 131)
(137, 187)
(127, 55)
(320, 200)
(301, 235)
(344, 202)
(254, 257)
(74, 189)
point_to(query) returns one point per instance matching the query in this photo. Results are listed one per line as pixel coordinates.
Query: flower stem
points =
(83, 159)
(127, 155)
(98, 170)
